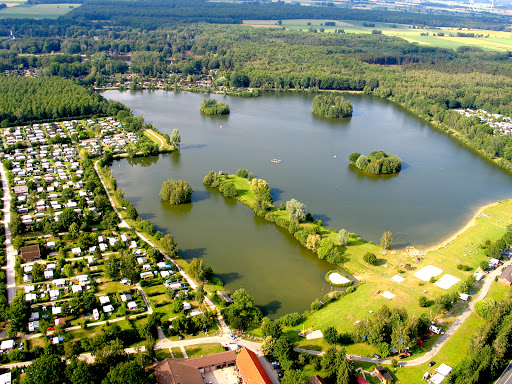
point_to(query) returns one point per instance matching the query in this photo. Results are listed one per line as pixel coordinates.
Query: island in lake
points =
(211, 107)
(378, 162)
(332, 106)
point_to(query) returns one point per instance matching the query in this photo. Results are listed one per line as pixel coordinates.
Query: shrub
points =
(464, 267)
(423, 302)
(316, 305)
(242, 173)
(229, 190)
(370, 258)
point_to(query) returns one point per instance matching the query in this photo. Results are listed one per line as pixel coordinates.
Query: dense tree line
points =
(489, 349)
(30, 99)
(211, 107)
(151, 14)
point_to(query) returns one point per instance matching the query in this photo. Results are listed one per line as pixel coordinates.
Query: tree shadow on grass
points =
(270, 308)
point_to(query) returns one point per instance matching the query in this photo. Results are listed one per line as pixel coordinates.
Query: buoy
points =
(334, 156)
(221, 126)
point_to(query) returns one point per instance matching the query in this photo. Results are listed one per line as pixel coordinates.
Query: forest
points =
(25, 99)
(151, 14)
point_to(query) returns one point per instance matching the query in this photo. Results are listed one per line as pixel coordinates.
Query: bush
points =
(464, 267)
(370, 258)
(424, 302)
(316, 305)
(242, 173)
(291, 319)
(229, 190)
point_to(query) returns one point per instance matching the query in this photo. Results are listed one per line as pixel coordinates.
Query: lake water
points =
(441, 185)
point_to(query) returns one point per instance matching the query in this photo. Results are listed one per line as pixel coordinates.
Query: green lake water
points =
(440, 187)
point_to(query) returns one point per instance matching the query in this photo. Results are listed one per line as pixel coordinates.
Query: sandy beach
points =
(462, 230)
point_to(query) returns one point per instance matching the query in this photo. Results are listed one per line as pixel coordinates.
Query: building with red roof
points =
(250, 368)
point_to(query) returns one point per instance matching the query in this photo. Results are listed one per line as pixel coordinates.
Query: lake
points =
(441, 185)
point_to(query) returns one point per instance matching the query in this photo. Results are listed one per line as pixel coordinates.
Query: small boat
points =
(277, 161)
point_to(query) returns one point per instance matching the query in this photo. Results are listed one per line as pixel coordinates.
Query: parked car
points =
(402, 356)
(432, 363)
(376, 356)
(280, 374)
(50, 329)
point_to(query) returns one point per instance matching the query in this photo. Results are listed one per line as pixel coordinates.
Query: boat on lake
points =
(277, 161)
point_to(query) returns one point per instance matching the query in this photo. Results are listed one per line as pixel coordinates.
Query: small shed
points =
(383, 374)
(108, 308)
(506, 276)
(224, 296)
(132, 305)
(7, 345)
(104, 299)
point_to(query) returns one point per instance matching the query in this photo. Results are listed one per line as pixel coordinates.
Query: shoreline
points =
(468, 225)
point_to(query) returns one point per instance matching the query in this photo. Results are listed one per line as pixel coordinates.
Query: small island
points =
(211, 107)
(332, 106)
(176, 191)
(378, 162)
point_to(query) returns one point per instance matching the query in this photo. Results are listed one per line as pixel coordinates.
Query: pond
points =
(441, 185)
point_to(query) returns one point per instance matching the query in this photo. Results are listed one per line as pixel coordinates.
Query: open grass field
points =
(38, 11)
(199, 350)
(492, 40)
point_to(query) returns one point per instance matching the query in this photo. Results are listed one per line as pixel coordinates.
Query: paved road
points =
(506, 376)
(11, 257)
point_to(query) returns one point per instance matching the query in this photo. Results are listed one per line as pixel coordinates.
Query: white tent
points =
(444, 369)
(437, 379)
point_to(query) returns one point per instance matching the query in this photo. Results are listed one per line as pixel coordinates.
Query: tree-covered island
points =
(378, 162)
(211, 107)
(332, 106)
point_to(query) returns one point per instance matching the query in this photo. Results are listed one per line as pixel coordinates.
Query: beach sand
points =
(471, 223)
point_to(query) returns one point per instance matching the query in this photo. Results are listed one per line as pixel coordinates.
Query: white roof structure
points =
(5, 378)
(426, 273)
(133, 305)
(186, 306)
(104, 299)
(447, 281)
(56, 310)
(76, 288)
(108, 308)
(388, 295)
(397, 279)
(444, 369)
(7, 344)
(437, 379)
(478, 276)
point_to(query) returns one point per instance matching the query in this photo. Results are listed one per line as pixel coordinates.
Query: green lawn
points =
(162, 354)
(39, 11)
(176, 351)
(203, 349)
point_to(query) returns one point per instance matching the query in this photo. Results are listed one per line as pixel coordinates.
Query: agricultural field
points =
(38, 11)
(490, 40)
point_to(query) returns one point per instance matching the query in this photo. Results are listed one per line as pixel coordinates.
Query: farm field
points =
(492, 40)
(39, 11)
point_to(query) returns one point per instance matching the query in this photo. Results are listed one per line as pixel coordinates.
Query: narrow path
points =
(9, 250)
(158, 137)
(183, 352)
